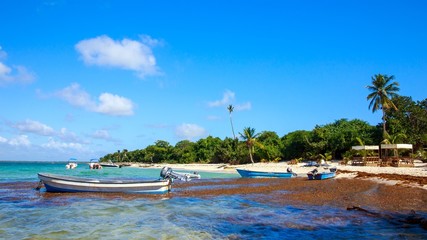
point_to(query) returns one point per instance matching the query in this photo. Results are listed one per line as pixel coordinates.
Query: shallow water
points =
(29, 214)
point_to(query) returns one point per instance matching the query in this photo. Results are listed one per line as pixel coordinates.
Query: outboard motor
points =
(167, 172)
(289, 170)
(314, 171)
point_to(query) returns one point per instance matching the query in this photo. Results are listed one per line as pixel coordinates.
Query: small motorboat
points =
(61, 183)
(316, 175)
(262, 174)
(94, 164)
(71, 165)
(109, 164)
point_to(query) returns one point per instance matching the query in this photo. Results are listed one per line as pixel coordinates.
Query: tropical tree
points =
(230, 110)
(249, 136)
(382, 91)
(410, 119)
(272, 145)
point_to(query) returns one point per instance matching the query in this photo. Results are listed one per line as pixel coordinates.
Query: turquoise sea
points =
(26, 213)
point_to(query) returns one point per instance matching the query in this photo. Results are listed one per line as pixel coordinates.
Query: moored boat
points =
(71, 163)
(263, 174)
(316, 175)
(61, 183)
(108, 164)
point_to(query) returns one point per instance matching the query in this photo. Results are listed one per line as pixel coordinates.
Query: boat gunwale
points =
(98, 181)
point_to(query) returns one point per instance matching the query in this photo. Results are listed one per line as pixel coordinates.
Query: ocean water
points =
(26, 213)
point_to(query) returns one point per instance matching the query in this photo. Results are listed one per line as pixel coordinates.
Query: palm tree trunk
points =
(384, 121)
(232, 127)
(250, 155)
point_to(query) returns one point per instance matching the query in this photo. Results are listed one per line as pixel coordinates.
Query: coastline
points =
(407, 176)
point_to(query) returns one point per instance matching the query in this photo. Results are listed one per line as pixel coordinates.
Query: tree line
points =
(403, 121)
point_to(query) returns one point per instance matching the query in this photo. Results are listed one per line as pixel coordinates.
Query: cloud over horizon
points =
(125, 54)
(109, 104)
(189, 131)
(14, 74)
(228, 98)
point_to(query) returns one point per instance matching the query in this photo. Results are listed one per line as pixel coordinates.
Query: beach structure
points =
(397, 155)
(370, 155)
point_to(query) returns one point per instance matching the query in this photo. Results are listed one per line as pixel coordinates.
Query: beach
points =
(408, 176)
(220, 205)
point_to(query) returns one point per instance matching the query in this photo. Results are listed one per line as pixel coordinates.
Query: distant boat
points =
(316, 175)
(263, 174)
(61, 183)
(71, 163)
(94, 164)
(109, 164)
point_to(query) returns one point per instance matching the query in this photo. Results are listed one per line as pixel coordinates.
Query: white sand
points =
(419, 170)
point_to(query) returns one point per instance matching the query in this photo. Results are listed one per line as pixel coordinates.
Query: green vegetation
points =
(404, 119)
(381, 93)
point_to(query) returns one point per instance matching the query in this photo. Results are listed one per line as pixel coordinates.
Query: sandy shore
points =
(414, 176)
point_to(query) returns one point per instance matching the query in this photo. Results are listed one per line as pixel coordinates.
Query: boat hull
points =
(59, 183)
(321, 176)
(109, 165)
(259, 174)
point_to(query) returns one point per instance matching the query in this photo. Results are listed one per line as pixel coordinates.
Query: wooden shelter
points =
(397, 155)
(371, 159)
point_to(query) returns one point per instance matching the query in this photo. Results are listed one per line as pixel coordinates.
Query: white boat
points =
(71, 165)
(61, 183)
(109, 164)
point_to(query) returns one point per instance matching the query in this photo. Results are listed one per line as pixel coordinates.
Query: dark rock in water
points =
(423, 224)
(413, 217)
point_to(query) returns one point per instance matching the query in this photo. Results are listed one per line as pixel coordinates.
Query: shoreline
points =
(407, 176)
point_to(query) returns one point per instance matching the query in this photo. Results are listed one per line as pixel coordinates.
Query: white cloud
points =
(189, 131)
(101, 134)
(148, 40)
(68, 136)
(34, 127)
(3, 140)
(52, 144)
(109, 104)
(21, 140)
(114, 105)
(125, 54)
(227, 98)
(14, 74)
(213, 118)
(4, 70)
(244, 106)
(76, 96)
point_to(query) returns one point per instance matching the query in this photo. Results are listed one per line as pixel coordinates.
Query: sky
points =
(85, 78)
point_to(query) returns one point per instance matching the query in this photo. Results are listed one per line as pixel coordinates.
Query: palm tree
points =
(249, 136)
(230, 110)
(382, 91)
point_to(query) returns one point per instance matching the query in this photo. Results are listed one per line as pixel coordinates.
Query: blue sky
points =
(85, 78)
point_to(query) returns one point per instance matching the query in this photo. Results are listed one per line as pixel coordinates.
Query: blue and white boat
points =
(61, 183)
(262, 174)
(316, 175)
